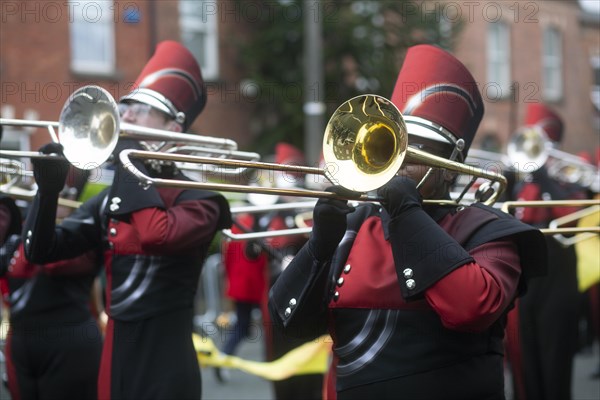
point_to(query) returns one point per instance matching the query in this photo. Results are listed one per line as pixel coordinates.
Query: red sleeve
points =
(84, 264)
(178, 228)
(472, 297)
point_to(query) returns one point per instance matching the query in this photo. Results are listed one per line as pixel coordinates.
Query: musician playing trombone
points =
(542, 333)
(54, 339)
(414, 296)
(154, 241)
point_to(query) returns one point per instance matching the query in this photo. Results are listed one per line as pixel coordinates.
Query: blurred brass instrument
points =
(556, 227)
(89, 128)
(12, 174)
(529, 149)
(364, 146)
(253, 209)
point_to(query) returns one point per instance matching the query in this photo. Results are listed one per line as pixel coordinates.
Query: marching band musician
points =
(414, 295)
(54, 342)
(154, 241)
(542, 333)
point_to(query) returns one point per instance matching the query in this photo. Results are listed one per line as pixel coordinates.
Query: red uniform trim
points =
(104, 377)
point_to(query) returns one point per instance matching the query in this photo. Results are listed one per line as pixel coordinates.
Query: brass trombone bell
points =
(365, 141)
(529, 149)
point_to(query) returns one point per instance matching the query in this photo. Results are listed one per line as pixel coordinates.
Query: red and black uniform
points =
(54, 343)
(542, 334)
(154, 243)
(414, 312)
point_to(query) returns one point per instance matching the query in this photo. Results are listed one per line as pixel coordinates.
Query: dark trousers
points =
(548, 327)
(54, 362)
(151, 359)
(243, 311)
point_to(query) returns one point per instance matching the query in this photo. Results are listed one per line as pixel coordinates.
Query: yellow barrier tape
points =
(588, 259)
(309, 358)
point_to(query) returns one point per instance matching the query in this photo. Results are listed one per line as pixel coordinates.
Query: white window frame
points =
(552, 63)
(595, 90)
(198, 18)
(91, 27)
(498, 57)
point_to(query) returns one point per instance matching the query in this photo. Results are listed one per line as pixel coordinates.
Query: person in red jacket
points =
(154, 240)
(246, 279)
(543, 336)
(414, 295)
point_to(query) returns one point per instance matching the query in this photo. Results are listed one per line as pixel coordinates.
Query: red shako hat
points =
(172, 82)
(543, 116)
(438, 96)
(285, 153)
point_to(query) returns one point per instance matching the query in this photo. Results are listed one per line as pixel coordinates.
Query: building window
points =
(552, 64)
(92, 37)
(498, 60)
(198, 23)
(595, 91)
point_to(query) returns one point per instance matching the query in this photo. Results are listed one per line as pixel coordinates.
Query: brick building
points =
(532, 51)
(519, 51)
(49, 49)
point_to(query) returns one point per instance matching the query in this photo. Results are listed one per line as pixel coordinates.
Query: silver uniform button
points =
(115, 200)
(340, 281)
(288, 312)
(113, 232)
(111, 245)
(292, 302)
(16, 253)
(114, 207)
(408, 273)
(411, 284)
(29, 234)
(347, 268)
(336, 296)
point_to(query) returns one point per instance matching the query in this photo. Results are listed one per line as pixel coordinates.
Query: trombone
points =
(529, 149)
(89, 128)
(364, 146)
(556, 226)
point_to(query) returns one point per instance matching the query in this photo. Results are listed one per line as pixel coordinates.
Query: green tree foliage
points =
(364, 43)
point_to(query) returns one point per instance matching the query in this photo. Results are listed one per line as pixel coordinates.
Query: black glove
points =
(51, 172)
(252, 250)
(399, 195)
(329, 224)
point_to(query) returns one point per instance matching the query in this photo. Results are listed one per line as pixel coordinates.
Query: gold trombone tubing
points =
(508, 205)
(412, 155)
(268, 234)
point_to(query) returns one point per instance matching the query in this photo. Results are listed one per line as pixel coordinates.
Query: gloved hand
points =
(252, 250)
(51, 172)
(329, 224)
(399, 195)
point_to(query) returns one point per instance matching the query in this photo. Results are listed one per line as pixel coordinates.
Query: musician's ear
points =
(174, 126)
